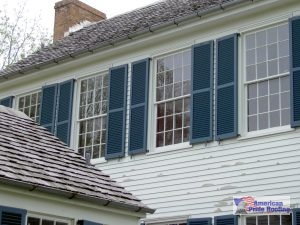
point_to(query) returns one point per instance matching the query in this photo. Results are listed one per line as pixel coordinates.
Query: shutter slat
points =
(12, 216)
(226, 220)
(116, 118)
(200, 221)
(48, 107)
(64, 112)
(201, 93)
(226, 87)
(295, 70)
(8, 101)
(139, 107)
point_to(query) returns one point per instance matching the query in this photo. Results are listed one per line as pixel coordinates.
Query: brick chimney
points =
(69, 13)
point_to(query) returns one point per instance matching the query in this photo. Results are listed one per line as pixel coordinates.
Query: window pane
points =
(283, 32)
(177, 136)
(284, 65)
(275, 119)
(285, 84)
(47, 222)
(250, 57)
(33, 221)
(263, 88)
(261, 54)
(252, 106)
(274, 102)
(273, 67)
(274, 219)
(263, 104)
(261, 70)
(272, 35)
(286, 220)
(262, 220)
(285, 117)
(160, 125)
(261, 38)
(285, 100)
(263, 120)
(251, 73)
(169, 138)
(251, 220)
(274, 86)
(250, 41)
(252, 91)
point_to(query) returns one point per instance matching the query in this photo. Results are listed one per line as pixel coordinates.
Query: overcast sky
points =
(45, 8)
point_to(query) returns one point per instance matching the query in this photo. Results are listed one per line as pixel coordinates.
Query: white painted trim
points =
(266, 132)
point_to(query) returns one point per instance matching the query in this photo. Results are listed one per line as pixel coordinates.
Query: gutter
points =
(151, 29)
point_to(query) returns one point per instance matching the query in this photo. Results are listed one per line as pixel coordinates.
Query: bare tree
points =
(19, 36)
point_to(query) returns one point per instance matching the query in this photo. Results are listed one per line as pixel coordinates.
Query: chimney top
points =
(69, 13)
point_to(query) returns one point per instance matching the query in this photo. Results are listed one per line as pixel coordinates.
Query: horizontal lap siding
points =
(202, 180)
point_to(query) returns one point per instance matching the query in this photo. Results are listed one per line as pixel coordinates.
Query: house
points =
(186, 103)
(42, 181)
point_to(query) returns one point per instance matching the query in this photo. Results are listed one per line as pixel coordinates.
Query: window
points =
(269, 219)
(267, 78)
(92, 116)
(173, 76)
(30, 105)
(34, 220)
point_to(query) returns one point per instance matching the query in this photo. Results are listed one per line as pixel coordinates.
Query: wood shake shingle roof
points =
(122, 27)
(31, 156)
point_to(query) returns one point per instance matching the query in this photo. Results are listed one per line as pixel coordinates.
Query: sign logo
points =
(261, 205)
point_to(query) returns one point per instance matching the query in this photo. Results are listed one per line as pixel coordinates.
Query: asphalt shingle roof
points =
(30, 155)
(112, 30)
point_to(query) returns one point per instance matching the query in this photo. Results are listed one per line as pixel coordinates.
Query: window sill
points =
(170, 148)
(266, 132)
(98, 161)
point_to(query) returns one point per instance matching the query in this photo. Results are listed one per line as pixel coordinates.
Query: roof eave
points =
(150, 29)
(70, 195)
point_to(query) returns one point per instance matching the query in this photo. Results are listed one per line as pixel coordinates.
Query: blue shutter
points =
(226, 125)
(226, 220)
(12, 216)
(116, 118)
(87, 222)
(296, 216)
(8, 101)
(200, 221)
(295, 70)
(48, 107)
(64, 111)
(201, 93)
(139, 107)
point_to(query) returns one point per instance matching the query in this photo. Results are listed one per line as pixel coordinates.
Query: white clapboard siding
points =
(202, 180)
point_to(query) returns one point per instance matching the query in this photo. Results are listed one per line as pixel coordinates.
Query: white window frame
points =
(77, 112)
(54, 218)
(246, 216)
(243, 87)
(153, 108)
(26, 94)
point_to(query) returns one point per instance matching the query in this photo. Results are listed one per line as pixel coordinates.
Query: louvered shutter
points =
(227, 87)
(12, 216)
(200, 221)
(201, 93)
(116, 118)
(296, 216)
(87, 222)
(48, 107)
(64, 111)
(139, 107)
(226, 220)
(8, 101)
(295, 70)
